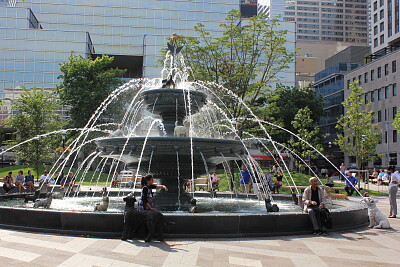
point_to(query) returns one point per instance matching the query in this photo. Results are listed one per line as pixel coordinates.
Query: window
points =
(375, 42)
(381, 14)
(366, 77)
(394, 89)
(372, 75)
(359, 79)
(381, 27)
(386, 114)
(394, 136)
(381, 2)
(382, 39)
(365, 98)
(379, 72)
(379, 94)
(393, 159)
(375, 30)
(386, 137)
(394, 66)
(375, 18)
(379, 115)
(386, 91)
(375, 5)
(373, 117)
(373, 96)
(386, 69)
(394, 109)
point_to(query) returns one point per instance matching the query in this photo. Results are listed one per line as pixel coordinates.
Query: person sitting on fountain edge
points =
(314, 201)
(147, 200)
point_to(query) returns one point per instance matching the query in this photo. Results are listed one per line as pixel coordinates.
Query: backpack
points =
(326, 219)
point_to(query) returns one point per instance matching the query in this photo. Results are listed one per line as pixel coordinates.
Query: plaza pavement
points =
(359, 247)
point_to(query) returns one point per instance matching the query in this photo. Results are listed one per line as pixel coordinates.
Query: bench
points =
(202, 183)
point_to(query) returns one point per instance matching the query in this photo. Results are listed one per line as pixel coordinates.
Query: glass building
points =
(37, 35)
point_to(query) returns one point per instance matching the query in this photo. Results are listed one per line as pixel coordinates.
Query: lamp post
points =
(2, 157)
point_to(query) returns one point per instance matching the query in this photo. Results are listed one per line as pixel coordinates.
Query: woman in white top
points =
(393, 188)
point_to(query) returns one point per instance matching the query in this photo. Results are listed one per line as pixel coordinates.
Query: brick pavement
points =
(360, 247)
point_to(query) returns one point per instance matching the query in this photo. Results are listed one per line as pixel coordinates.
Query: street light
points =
(2, 157)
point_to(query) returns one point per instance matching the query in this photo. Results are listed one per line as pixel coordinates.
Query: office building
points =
(329, 84)
(380, 78)
(323, 28)
(37, 35)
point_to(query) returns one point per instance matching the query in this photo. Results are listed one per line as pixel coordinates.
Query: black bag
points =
(326, 219)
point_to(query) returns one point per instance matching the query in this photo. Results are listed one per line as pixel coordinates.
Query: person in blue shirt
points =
(351, 182)
(245, 178)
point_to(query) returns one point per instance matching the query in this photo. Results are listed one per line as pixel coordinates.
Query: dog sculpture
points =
(193, 208)
(60, 194)
(44, 203)
(270, 207)
(182, 131)
(329, 194)
(32, 197)
(376, 218)
(102, 206)
(150, 222)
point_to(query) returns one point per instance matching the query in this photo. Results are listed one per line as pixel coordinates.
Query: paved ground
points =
(361, 247)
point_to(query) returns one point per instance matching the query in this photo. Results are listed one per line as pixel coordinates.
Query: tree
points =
(245, 59)
(36, 115)
(396, 122)
(281, 106)
(85, 84)
(304, 126)
(360, 136)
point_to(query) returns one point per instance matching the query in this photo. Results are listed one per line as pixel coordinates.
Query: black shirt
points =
(315, 196)
(145, 192)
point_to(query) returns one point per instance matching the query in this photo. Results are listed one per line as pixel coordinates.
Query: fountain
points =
(173, 154)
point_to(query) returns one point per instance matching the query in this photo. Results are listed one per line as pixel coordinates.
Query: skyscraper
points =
(323, 28)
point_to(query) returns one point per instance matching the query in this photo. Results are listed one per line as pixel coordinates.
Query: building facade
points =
(329, 84)
(380, 78)
(37, 35)
(323, 28)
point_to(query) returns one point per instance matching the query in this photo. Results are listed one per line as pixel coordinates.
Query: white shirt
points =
(45, 178)
(395, 177)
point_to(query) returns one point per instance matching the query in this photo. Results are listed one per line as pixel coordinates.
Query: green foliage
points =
(304, 126)
(282, 105)
(396, 122)
(360, 135)
(85, 84)
(247, 56)
(36, 115)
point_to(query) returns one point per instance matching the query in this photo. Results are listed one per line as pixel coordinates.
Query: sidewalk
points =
(360, 247)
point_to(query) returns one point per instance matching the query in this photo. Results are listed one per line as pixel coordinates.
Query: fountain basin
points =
(110, 224)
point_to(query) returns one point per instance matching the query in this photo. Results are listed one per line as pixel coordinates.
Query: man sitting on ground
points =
(314, 201)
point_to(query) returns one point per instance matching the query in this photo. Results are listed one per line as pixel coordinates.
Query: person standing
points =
(147, 200)
(393, 188)
(245, 178)
(342, 169)
(314, 201)
(214, 181)
(268, 179)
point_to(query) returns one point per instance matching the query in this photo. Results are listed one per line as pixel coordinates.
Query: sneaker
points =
(392, 216)
(317, 232)
(324, 233)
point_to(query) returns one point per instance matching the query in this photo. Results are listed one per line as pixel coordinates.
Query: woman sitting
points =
(8, 182)
(30, 181)
(19, 181)
(147, 200)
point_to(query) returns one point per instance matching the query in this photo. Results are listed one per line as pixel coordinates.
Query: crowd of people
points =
(22, 182)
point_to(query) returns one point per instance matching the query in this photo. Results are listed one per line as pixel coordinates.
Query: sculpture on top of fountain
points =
(169, 82)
